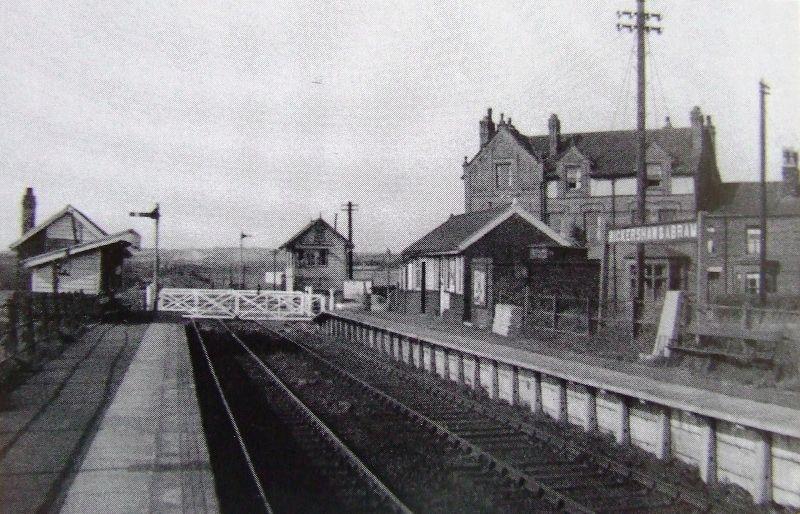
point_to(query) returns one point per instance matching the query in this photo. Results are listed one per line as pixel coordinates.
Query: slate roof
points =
(68, 209)
(450, 236)
(290, 243)
(613, 153)
(743, 199)
(125, 238)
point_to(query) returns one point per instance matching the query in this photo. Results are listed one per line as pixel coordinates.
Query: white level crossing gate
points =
(241, 304)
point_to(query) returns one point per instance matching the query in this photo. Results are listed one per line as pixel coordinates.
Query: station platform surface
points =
(149, 453)
(739, 404)
(111, 424)
(47, 420)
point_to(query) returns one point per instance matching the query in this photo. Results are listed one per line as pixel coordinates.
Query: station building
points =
(582, 184)
(473, 261)
(70, 253)
(316, 258)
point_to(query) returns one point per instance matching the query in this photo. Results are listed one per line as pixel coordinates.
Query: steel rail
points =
(536, 487)
(236, 431)
(357, 463)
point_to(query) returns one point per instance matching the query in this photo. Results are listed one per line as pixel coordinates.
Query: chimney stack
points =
(487, 128)
(554, 127)
(791, 180)
(28, 210)
(696, 118)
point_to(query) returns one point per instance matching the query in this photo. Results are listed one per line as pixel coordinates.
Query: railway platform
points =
(728, 433)
(111, 424)
(149, 453)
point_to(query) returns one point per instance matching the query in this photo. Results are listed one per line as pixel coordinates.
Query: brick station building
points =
(583, 183)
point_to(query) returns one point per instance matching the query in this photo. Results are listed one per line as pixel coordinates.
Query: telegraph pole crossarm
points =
(641, 28)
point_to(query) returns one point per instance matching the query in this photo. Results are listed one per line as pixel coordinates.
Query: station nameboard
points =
(654, 233)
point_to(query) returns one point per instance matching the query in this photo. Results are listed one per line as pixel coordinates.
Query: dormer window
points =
(654, 176)
(573, 178)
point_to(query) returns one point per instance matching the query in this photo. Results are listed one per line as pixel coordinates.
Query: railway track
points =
(357, 488)
(428, 470)
(570, 475)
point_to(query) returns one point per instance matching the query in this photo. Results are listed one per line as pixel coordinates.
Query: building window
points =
(651, 216)
(312, 258)
(751, 283)
(752, 280)
(666, 215)
(655, 280)
(479, 287)
(502, 174)
(753, 240)
(573, 178)
(654, 176)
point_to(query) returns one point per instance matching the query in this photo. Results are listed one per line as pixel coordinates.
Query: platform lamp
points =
(155, 215)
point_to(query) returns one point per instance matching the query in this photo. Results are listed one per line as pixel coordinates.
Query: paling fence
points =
(241, 304)
(31, 323)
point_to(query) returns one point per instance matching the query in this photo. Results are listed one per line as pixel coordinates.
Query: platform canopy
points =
(127, 238)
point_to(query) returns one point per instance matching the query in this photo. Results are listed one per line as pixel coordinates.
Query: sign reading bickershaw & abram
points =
(654, 233)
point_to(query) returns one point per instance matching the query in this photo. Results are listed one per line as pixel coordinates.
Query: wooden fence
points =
(31, 323)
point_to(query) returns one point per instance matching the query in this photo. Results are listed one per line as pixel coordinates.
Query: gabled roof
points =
(309, 226)
(613, 153)
(68, 209)
(460, 232)
(744, 199)
(126, 238)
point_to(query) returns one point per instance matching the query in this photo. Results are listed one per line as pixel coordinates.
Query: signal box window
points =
(312, 258)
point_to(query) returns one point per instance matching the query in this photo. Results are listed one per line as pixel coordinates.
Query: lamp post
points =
(155, 215)
(242, 236)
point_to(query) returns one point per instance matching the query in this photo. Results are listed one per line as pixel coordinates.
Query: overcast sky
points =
(249, 115)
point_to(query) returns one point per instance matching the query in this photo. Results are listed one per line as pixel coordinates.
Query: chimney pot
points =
(791, 179)
(696, 116)
(487, 128)
(28, 210)
(554, 128)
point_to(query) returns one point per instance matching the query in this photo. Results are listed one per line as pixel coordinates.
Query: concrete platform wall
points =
(766, 464)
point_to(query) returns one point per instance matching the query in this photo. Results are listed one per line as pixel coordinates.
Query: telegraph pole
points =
(350, 208)
(641, 28)
(763, 91)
